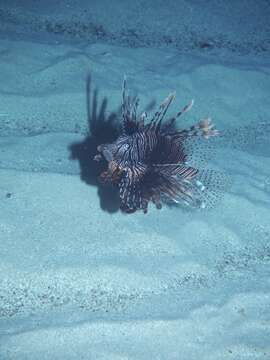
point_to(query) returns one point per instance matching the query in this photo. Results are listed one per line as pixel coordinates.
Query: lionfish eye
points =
(125, 147)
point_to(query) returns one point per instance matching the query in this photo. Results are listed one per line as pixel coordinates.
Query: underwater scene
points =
(135, 179)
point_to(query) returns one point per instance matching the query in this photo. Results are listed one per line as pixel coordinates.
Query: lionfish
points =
(149, 161)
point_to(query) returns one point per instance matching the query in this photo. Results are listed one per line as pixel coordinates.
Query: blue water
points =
(78, 278)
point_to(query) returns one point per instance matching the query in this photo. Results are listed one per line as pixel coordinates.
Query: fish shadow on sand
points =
(101, 129)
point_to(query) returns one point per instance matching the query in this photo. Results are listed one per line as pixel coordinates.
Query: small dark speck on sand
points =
(8, 195)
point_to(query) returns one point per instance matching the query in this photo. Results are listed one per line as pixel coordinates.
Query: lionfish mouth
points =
(151, 161)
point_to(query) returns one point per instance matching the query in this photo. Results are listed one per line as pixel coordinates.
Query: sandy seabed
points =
(80, 280)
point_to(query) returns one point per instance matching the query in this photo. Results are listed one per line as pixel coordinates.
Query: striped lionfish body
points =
(149, 161)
